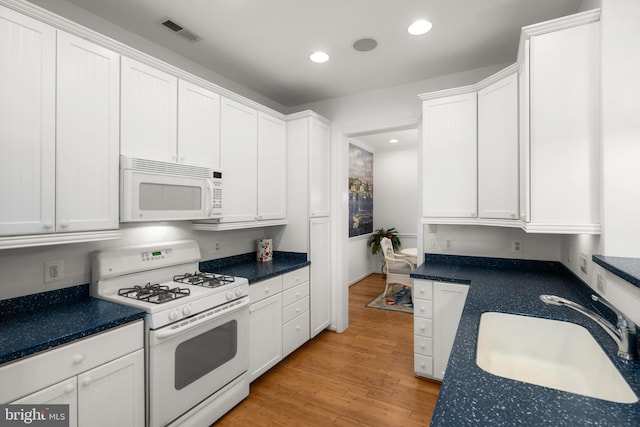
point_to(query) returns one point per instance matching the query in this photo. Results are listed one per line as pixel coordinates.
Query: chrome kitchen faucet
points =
(624, 333)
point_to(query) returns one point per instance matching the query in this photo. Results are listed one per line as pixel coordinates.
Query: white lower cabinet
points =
(279, 319)
(437, 310)
(101, 378)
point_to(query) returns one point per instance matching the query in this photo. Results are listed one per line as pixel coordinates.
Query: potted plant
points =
(379, 234)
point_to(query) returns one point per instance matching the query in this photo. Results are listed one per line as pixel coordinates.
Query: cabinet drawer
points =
(423, 327)
(296, 277)
(294, 310)
(265, 288)
(295, 333)
(67, 361)
(423, 345)
(295, 294)
(423, 365)
(422, 308)
(423, 289)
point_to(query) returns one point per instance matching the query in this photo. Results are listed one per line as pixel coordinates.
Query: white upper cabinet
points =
(498, 149)
(87, 136)
(148, 112)
(319, 168)
(272, 167)
(239, 161)
(198, 126)
(563, 181)
(449, 161)
(27, 124)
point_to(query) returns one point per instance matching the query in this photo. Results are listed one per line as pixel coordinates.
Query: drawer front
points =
(423, 345)
(294, 310)
(295, 333)
(294, 294)
(265, 288)
(423, 289)
(67, 361)
(423, 327)
(294, 278)
(423, 365)
(422, 308)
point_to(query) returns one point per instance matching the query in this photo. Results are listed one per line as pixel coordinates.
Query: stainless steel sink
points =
(550, 353)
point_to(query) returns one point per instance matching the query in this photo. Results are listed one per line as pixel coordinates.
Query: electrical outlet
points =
(583, 263)
(217, 248)
(433, 243)
(53, 270)
(569, 254)
(601, 284)
(516, 246)
(448, 244)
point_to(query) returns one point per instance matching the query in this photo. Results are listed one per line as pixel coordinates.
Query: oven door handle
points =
(197, 320)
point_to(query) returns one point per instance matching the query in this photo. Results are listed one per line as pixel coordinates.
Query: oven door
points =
(192, 359)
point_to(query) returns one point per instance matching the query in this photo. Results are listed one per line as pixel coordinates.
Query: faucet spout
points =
(624, 334)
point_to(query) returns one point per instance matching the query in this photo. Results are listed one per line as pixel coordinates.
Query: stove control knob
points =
(230, 295)
(173, 314)
(238, 292)
(186, 310)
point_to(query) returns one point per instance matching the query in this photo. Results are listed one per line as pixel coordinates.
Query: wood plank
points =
(362, 377)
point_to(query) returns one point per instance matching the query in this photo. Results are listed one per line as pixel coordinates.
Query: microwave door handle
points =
(209, 198)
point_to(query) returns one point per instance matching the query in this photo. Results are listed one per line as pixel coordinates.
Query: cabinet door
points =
(27, 124)
(148, 112)
(239, 161)
(113, 394)
(448, 303)
(88, 111)
(265, 332)
(498, 149)
(63, 393)
(198, 126)
(319, 168)
(320, 283)
(272, 167)
(523, 121)
(564, 127)
(449, 157)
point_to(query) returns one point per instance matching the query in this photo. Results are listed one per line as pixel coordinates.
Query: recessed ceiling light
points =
(319, 57)
(419, 27)
(393, 141)
(365, 45)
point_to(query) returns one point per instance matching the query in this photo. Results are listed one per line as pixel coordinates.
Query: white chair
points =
(397, 267)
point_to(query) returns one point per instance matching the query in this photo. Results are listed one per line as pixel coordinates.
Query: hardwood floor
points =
(362, 377)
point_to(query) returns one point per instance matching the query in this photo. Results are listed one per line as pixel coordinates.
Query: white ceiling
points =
(264, 44)
(407, 139)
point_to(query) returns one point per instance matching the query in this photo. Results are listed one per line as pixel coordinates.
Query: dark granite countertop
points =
(469, 396)
(246, 265)
(39, 322)
(626, 268)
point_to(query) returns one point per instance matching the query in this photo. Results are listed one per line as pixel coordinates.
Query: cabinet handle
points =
(87, 381)
(64, 224)
(266, 290)
(78, 359)
(48, 226)
(70, 388)
(297, 310)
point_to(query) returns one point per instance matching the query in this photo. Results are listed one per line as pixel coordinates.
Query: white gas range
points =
(197, 328)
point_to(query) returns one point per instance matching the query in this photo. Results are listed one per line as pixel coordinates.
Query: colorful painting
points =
(360, 191)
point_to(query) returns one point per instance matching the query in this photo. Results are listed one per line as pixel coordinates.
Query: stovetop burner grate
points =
(208, 280)
(156, 293)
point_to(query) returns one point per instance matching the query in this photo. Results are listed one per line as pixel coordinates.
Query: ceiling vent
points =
(181, 31)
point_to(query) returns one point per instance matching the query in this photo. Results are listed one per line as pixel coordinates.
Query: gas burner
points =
(207, 280)
(156, 293)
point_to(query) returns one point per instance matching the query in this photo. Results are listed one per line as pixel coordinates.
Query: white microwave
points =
(160, 191)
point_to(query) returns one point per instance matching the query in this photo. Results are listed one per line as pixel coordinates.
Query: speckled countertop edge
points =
(40, 322)
(470, 396)
(246, 265)
(625, 268)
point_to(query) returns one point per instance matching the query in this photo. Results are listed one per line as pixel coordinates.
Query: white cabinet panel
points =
(265, 342)
(272, 167)
(498, 149)
(239, 160)
(63, 393)
(320, 283)
(319, 168)
(448, 303)
(148, 112)
(295, 333)
(449, 159)
(198, 126)
(88, 105)
(27, 124)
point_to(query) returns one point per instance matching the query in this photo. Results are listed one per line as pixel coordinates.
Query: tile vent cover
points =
(181, 31)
